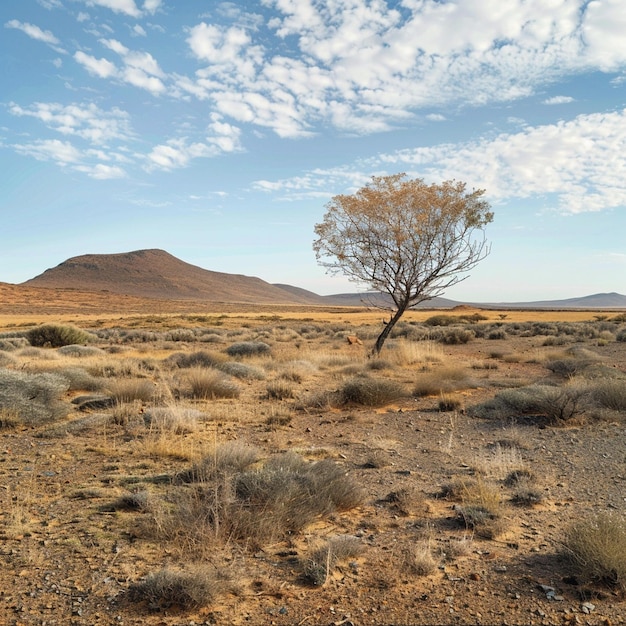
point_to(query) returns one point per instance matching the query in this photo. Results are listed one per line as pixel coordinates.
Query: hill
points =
(611, 300)
(158, 274)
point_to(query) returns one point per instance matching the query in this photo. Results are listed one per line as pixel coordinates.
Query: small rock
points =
(499, 568)
(588, 607)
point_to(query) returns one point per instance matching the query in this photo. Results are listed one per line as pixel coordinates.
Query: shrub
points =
(175, 419)
(242, 371)
(456, 336)
(498, 333)
(78, 351)
(131, 389)
(194, 359)
(257, 505)
(555, 404)
(228, 458)
(80, 379)
(6, 359)
(248, 348)
(419, 559)
(55, 336)
(32, 398)
(448, 402)
(610, 394)
(279, 390)
(319, 564)
(191, 589)
(8, 344)
(442, 381)
(621, 336)
(596, 547)
(211, 384)
(371, 391)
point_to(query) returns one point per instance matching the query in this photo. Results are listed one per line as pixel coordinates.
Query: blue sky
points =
(218, 131)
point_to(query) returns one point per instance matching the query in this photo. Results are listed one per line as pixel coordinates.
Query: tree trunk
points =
(387, 330)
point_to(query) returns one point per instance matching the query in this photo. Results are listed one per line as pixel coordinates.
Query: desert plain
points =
(194, 463)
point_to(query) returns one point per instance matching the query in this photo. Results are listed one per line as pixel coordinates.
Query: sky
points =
(219, 131)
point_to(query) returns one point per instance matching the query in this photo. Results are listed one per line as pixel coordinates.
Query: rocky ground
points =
(68, 556)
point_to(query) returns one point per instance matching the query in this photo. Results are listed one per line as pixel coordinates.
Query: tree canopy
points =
(404, 238)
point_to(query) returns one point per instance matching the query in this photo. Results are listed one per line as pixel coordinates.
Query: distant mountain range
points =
(159, 275)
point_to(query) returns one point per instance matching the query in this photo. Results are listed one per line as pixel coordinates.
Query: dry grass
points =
(211, 384)
(596, 547)
(319, 564)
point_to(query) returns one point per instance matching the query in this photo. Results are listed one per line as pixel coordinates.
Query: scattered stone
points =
(587, 607)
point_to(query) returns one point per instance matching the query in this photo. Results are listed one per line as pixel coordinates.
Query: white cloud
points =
(152, 6)
(139, 31)
(98, 67)
(137, 77)
(559, 100)
(365, 67)
(177, 153)
(115, 46)
(85, 121)
(127, 7)
(101, 171)
(62, 152)
(576, 166)
(436, 117)
(82, 17)
(34, 32)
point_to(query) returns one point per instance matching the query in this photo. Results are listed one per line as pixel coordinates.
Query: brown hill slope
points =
(158, 274)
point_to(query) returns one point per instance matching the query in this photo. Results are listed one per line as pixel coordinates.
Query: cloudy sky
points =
(219, 131)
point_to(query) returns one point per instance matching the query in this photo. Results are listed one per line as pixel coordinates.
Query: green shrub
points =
(371, 391)
(248, 348)
(32, 398)
(596, 547)
(55, 336)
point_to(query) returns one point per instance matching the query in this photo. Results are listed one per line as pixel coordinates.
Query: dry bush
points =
(318, 565)
(610, 394)
(80, 379)
(130, 389)
(228, 458)
(186, 360)
(279, 390)
(255, 506)
(405, 352)
(596, 547)
(499, 462)
(242, 371)
(441, 381)
(449, 402)
(9, 418)
(191, 589)
(554, 404)
(481, 508)
(79, 352)
(278, 418)
(211, 384)
(372, 392)
(33, 398)
(175, 419)
(419, 559)
(6, 360)
(247, 349)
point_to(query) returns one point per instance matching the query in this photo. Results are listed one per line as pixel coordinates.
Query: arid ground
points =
(253, 465)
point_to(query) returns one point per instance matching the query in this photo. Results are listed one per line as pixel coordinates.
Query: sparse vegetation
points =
(596, 547)
(119, 467)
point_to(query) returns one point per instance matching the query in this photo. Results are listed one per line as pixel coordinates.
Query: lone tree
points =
(404, 238)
